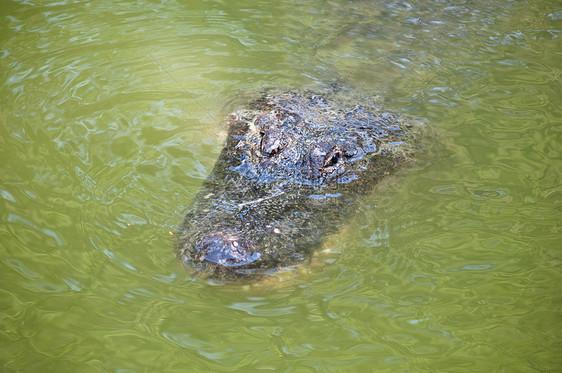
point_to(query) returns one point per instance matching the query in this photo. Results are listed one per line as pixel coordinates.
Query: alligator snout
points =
(225, 249)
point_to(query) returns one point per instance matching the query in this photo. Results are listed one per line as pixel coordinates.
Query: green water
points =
(111, 116)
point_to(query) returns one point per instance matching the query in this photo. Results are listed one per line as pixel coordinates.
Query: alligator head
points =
(292, 171)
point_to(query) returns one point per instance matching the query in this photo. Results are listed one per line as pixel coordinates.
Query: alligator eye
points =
(272, 143)
(272, 150)
(332, 158)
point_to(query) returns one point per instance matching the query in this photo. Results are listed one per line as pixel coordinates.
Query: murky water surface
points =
(111, 116)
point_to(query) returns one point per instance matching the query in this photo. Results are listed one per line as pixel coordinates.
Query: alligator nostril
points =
(226, 250)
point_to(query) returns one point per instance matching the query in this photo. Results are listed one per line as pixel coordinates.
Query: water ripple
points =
(112, 116)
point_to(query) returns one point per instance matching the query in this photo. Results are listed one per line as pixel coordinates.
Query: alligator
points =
(294, 168)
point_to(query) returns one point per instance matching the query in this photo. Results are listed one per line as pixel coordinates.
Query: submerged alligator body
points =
(293, 170)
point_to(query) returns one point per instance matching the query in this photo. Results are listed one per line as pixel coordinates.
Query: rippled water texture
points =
(111, 116)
